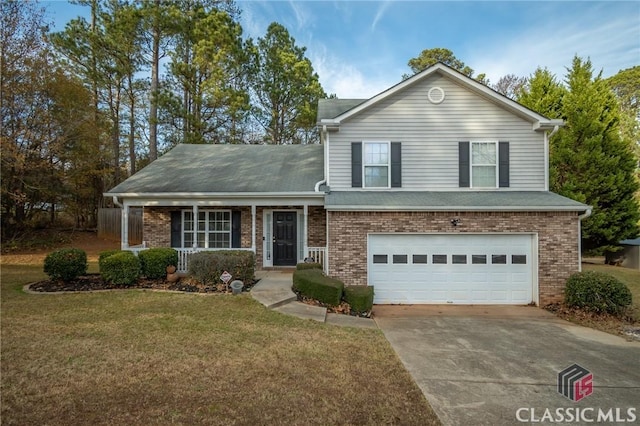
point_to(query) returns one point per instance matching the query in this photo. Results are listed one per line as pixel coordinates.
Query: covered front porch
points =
(281, 232)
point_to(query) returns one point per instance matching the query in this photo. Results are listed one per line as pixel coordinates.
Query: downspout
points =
(116, 202)
(585, 215)
(323, 134)
(546, 155)
(124, 224)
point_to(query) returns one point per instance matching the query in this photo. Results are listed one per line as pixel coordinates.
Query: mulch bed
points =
(623, 326)
(93, 282)
(343, 308)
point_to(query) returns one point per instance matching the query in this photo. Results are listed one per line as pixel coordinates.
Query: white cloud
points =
(611, 44)
(382, 9)
(347, 80)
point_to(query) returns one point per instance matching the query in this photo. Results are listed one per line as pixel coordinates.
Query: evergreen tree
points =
(286, 88)
(591, 160)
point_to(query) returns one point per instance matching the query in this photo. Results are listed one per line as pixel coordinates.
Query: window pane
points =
(376, 176)
(376, 153)
(519, 259)
(399, 258)
(484, 153)
(420, 258)
(201, 239)
(188, 239)
(479, 259)
(499, 259)
(484, 176)
(459, 259)
(379, 258)
(439, 259)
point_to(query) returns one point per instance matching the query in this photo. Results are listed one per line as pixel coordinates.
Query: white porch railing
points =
(319, 255)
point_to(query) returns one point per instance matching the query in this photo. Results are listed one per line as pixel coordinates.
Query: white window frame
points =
(471, 164)
(365, 164)
(195, 231)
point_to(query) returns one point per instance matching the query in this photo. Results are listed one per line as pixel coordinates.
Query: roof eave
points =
(200, 195)
(459, 208)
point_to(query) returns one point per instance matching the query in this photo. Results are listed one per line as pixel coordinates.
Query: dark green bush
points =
(121, 268)
(154, 262)
(359, 297)
(314, 284)
(598, 292)
(308, 265)
(207, 266)
(104, 254)
(66, 264)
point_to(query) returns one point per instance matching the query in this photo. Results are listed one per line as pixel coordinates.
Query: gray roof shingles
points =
(230, 169)
(441, 200)
(331, 108)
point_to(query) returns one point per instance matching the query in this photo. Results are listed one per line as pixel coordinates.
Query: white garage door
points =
(451, 268)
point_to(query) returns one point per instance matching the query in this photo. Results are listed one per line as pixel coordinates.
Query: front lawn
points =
(141, 357)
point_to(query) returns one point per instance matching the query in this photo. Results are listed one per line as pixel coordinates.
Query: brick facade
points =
(557, 240)
(157, 226)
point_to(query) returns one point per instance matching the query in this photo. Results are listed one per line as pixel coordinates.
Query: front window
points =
(376, 164)
(212, 230)
(483, 165)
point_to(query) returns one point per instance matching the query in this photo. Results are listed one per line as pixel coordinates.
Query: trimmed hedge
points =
(314, 284)
(359, 297)
(207, 266)
(104, 254)
(66, 264)
(598, 292)
(308, 265)
(154, 262)
(120, 268)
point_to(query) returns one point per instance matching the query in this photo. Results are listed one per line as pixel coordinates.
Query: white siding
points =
(430, 134)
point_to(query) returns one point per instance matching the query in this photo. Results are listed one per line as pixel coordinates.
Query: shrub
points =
(359, 297)
(598, 292)
(314, 284)
(207, 266)
(154, 262)
(104, 254)
(121, 268)
(66, 264)
(308, 265)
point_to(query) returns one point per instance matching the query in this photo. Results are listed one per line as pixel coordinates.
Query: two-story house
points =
(433, 191)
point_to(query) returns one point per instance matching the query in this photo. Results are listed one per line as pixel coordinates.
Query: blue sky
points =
(360, 48)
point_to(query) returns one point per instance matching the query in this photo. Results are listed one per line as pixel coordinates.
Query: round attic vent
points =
(435, 95)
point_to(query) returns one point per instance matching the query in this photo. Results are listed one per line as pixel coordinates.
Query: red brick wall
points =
(157, 227)
(557, 240)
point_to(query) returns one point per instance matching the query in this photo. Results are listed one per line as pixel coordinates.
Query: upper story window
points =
(484, 165)
(376, 164)
(212, 230)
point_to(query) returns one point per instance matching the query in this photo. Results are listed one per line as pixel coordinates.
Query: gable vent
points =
(435, 95)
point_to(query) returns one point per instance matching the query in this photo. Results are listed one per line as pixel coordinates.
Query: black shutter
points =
(396, 164)
(176, 229)
(503, 164)
(464, 180)
(236, 220)
(356, 164)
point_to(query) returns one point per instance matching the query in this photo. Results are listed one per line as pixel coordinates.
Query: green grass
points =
(141, 357)
(630, 277)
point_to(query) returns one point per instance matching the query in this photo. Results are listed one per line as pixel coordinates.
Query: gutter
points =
(454, 208)
(191, 195)
(116, 202)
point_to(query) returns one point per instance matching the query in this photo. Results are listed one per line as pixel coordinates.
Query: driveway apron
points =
(495, 366)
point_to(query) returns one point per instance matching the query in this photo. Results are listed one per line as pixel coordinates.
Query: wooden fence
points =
(109, 224)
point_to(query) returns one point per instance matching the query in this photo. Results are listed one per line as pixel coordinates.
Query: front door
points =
(284, 239)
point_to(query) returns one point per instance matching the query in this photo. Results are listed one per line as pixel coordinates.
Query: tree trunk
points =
(153, 98)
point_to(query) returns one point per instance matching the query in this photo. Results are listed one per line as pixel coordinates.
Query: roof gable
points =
(539, 122)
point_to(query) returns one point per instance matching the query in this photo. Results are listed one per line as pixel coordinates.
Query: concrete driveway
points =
(499, 365)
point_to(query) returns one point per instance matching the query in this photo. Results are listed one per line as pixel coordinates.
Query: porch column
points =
(124, 227)
(305, 242)
(253, 228)
(195, 226)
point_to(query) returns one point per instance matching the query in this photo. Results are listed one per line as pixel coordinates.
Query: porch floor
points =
(274, 291)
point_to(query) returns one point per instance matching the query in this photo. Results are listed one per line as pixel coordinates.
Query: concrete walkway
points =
(274, 291)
